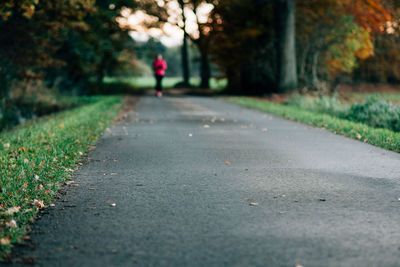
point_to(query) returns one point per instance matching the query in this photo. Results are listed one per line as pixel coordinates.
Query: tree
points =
(331, 36)
(287, 68)
(184, 51)
(175, 13)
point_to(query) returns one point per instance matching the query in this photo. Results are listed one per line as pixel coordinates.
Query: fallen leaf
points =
(322, 199)
(37, 177)
(190, 135)
(12, 210)
(26, 161)
(12, 224)
(264, 129)
(80, 153)
(62, 125)
(227, 163)
(5, 241)
(6, 145)
(246, 169)
(253, 203)
(73, 185)
(38, 203)
(52, 205)
(206, 126)
(113, 204)
(358, 136)
(26, 237)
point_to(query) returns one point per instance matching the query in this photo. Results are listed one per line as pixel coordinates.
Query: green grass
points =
(168, 82)
(375, 136)
(36, 157)
(385, 96)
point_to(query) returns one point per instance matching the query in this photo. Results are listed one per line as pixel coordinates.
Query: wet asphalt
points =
(173, 184)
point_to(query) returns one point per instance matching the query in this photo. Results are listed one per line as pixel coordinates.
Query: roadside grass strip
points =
(37, 157)
(383, 138)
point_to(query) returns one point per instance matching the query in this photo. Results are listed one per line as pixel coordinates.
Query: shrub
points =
(376, 113)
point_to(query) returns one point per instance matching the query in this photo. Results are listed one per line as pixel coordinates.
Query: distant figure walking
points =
(159, 67)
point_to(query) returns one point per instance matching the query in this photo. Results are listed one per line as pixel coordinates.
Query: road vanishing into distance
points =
(190, 181)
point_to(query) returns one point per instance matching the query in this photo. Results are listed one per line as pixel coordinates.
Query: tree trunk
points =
(185, 60)
(287, 73)
(184, 51)
(100, 70)
(205, 70)
(315, 59)
(303, 62)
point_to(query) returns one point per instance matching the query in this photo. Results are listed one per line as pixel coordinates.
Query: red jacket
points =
(159, 66)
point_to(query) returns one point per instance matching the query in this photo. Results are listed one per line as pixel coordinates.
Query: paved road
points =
(323, 199)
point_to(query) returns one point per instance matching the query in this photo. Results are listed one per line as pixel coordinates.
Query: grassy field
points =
(36, 157)
(376, 136)
(168, 82)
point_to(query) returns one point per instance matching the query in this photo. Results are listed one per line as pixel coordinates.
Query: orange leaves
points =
(369, 14)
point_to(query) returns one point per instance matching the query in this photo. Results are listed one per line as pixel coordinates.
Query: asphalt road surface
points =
(188, 181)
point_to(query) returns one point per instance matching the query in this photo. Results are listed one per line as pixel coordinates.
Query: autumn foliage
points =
(332, 36)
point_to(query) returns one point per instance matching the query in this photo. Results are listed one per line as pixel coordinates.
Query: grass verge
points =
(375, 136)
(35, 158)
(168, 82)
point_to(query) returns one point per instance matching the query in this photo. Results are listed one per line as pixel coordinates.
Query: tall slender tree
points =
(286, 29)
(184, 49)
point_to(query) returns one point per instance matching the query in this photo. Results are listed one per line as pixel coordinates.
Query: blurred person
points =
(159, 67)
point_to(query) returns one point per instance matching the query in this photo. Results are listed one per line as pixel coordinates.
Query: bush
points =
(376, 113)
